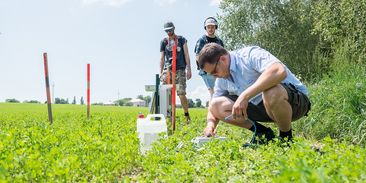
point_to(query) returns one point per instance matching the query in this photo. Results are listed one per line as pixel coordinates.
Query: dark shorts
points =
(299, 102)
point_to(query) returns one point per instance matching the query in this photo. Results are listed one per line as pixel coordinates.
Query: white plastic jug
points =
(149, 129)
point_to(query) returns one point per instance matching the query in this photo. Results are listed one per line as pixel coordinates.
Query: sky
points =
(119, 38)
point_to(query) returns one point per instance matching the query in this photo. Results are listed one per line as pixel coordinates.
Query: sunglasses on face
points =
(169, 30)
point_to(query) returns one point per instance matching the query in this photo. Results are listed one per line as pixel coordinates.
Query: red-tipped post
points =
(47, 87)
(88, 91)
(174, 77)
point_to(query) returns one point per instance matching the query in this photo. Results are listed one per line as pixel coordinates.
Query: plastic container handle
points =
(154, 116)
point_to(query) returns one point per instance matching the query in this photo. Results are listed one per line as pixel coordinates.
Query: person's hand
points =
(209, 131)
(189, 74)
(240, 109)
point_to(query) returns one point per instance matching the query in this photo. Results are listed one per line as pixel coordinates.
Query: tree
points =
(198, 103)
(123, 102)
(140, 97)
(284, 28)
(32, 101)
(147, 100)
(190, 103)
(341, 24)
(119, 102)
(12, 100)
(74, 101)
(81, 101)
(61, 101)
(98, 103)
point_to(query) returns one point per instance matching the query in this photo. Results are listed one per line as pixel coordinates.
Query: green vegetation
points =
(72, 149)
(105, 149)
(339, 103)
(323, 42)
(304, 34)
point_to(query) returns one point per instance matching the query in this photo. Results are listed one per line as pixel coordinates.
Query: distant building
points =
(138, 102)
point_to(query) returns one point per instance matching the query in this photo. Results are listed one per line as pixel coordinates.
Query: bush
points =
(339, 102)
(12, 100)
(32, 101)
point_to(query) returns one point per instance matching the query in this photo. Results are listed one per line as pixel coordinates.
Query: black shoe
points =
(285, 142)
(261, 138)
(187, 118)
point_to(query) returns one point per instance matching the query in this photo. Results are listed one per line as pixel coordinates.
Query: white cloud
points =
(200, 92)
(215, 2)
(113, 3)
(165, 2)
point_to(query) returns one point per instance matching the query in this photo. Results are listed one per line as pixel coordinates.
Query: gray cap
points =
(168, 26)
(210, 21)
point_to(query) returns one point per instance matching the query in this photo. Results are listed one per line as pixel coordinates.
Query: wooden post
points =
(88, 92)
(174, 77)
(47, 87)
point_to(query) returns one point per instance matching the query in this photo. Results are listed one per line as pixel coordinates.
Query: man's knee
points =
(274, 95)
(218, 105)
(215, 105)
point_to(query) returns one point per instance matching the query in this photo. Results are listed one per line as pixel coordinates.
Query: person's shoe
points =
(188, 119)
(186, 116)
(285, 142)
(260, 138)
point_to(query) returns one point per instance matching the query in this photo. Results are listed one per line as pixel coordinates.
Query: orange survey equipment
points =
(174, 76)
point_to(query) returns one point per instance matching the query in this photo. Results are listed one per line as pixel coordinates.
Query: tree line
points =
(127, 102)
(56, 101)
(304, 34)
(121, 102)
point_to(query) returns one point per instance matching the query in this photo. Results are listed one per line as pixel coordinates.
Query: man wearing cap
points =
(210, 25)
(183, 65)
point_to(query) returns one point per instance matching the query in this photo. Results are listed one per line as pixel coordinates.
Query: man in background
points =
(210, 25)
(183, 65)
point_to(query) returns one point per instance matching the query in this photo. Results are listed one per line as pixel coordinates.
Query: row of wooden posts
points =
(172, 78)
(45, 60)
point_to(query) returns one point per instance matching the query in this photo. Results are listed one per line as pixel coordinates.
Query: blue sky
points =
(119, 38)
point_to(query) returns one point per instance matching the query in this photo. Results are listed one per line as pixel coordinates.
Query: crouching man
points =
(252, 83)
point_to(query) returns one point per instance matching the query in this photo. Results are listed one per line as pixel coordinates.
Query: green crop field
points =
(322, 42)
(105, 149)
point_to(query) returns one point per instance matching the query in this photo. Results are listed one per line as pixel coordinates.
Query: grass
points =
(105, 149)
(338, 104)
